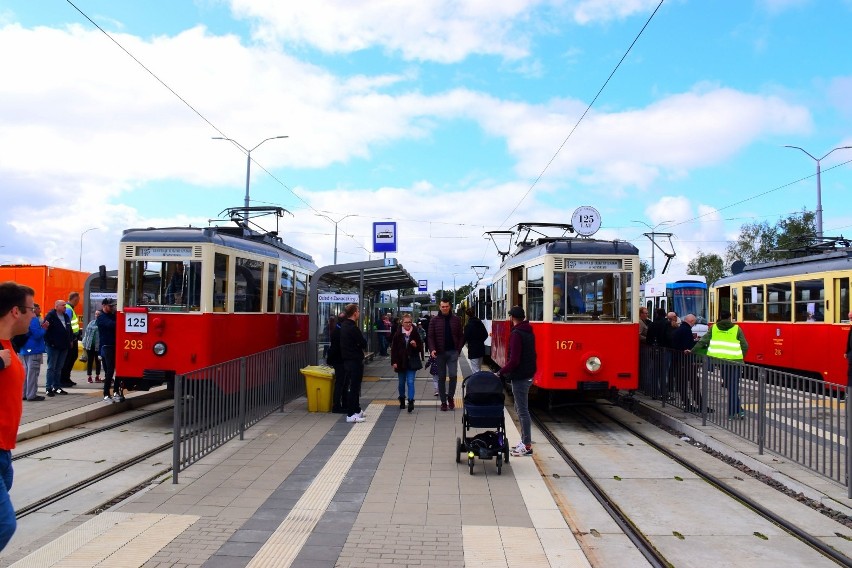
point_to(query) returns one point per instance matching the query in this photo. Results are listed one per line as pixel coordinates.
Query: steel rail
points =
(645, 547)
(59, 495)
(87, 433)
(790, 528)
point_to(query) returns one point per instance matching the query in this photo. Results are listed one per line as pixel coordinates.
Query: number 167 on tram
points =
(581, 297)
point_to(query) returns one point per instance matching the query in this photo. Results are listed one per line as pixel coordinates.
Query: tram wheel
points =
(458, 450)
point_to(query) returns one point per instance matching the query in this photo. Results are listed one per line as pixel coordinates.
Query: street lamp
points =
(335, 230)
(651, 236)
(80, 267)
(819, 186)
(248, 163)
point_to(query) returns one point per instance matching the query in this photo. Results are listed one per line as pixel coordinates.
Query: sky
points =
(451, 118)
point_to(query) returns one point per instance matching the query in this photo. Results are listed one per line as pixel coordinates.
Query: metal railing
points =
(218, 403)
(799, 418)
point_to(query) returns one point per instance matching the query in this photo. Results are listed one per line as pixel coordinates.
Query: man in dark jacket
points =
(352, 345)
(658, 338)
(520, 369)
(683, 371)
(445, 338)
(475, 335)
(57, 341)
(335, 359)
(106, 323)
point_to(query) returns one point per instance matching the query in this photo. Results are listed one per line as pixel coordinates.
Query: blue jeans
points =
(475, 364)
(55, 361)
(731, 380)
(521, 394)
(7, 511)
(406, 377)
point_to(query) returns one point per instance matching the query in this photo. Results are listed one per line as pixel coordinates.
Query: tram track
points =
(644, 545)
(87, 441)
(82, 484)
(89, 433)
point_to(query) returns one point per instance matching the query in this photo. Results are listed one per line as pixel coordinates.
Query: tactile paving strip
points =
(113, 540)
(290, 536)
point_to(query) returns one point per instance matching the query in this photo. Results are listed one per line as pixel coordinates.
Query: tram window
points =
(535, 293)
(173, 286)
(735, 303)
(248, 276)
(841, 299)
(220, 283)
(301, 306)
(779, 301)
(271, 278)
(488, 303)
(810, 296)
(753, 303)
(287, 288)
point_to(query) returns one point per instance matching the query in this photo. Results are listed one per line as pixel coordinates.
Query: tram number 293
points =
(136, 323)
(564, 345)
(132, 344)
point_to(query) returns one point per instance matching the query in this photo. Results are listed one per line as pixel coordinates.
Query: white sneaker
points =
(108, 399)
(362, 414)
(116, 397)
(354, 418)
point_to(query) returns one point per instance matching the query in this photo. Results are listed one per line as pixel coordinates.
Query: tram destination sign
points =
(172, 252)
(593, 264)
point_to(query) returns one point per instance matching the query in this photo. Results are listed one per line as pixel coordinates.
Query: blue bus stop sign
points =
(384, 236)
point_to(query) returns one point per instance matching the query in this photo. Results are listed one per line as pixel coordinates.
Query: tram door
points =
(841, 299)
(723, 302)
(517, 275)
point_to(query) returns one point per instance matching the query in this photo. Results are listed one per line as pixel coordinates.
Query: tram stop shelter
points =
(364, 278)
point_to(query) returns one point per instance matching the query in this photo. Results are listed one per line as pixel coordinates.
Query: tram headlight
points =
(159, 348)
(593, 364)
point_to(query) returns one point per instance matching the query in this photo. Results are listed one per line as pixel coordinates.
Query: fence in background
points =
(799, 418)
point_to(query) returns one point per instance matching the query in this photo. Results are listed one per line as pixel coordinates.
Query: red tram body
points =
(581, 297)
(793, 312)
(190, 298)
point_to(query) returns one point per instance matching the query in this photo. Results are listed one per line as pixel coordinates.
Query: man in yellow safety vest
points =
(71, 358)
(726, 342)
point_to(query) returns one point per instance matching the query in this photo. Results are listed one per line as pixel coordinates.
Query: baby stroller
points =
(483, 408)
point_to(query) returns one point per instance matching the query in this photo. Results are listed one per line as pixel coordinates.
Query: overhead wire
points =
(582, 116)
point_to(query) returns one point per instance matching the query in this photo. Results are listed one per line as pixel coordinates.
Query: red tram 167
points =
(581, 296)
(189, 298)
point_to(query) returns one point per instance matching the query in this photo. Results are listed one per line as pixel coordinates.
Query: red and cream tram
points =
(581, 296)
(794, 313)
(189, 298)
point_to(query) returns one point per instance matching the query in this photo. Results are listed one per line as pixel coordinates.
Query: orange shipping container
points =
(50, 283)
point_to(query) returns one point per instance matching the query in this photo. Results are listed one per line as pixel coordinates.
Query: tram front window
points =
(171, 286)
(689, 300)
(579, 296)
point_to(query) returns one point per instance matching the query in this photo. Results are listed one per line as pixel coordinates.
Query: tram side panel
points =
(578, 356)
(196, 341)
(814, 348)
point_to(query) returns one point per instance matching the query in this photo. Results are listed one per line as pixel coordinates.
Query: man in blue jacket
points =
(32, 354)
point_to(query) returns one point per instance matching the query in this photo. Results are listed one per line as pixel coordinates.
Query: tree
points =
(709, 265)
(762, 242)
(644, 271)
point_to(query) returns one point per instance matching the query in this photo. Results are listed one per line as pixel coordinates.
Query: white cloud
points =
(440, 30)
(588, 11)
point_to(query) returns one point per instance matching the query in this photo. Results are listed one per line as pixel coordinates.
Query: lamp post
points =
(80, 267)
(248, 163)
(651, 236)
(335, 229)
(819, 185)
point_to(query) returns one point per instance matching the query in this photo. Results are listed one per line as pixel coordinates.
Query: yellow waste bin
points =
(319, 387)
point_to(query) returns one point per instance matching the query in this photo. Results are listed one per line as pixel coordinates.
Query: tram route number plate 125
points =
(136, 323)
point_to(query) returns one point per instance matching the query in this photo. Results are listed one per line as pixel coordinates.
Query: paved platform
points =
(310, 490)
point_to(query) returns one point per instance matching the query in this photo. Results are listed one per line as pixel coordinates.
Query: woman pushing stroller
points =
(406, 359)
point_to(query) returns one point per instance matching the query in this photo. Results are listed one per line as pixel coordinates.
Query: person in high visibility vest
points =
(726, 342)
